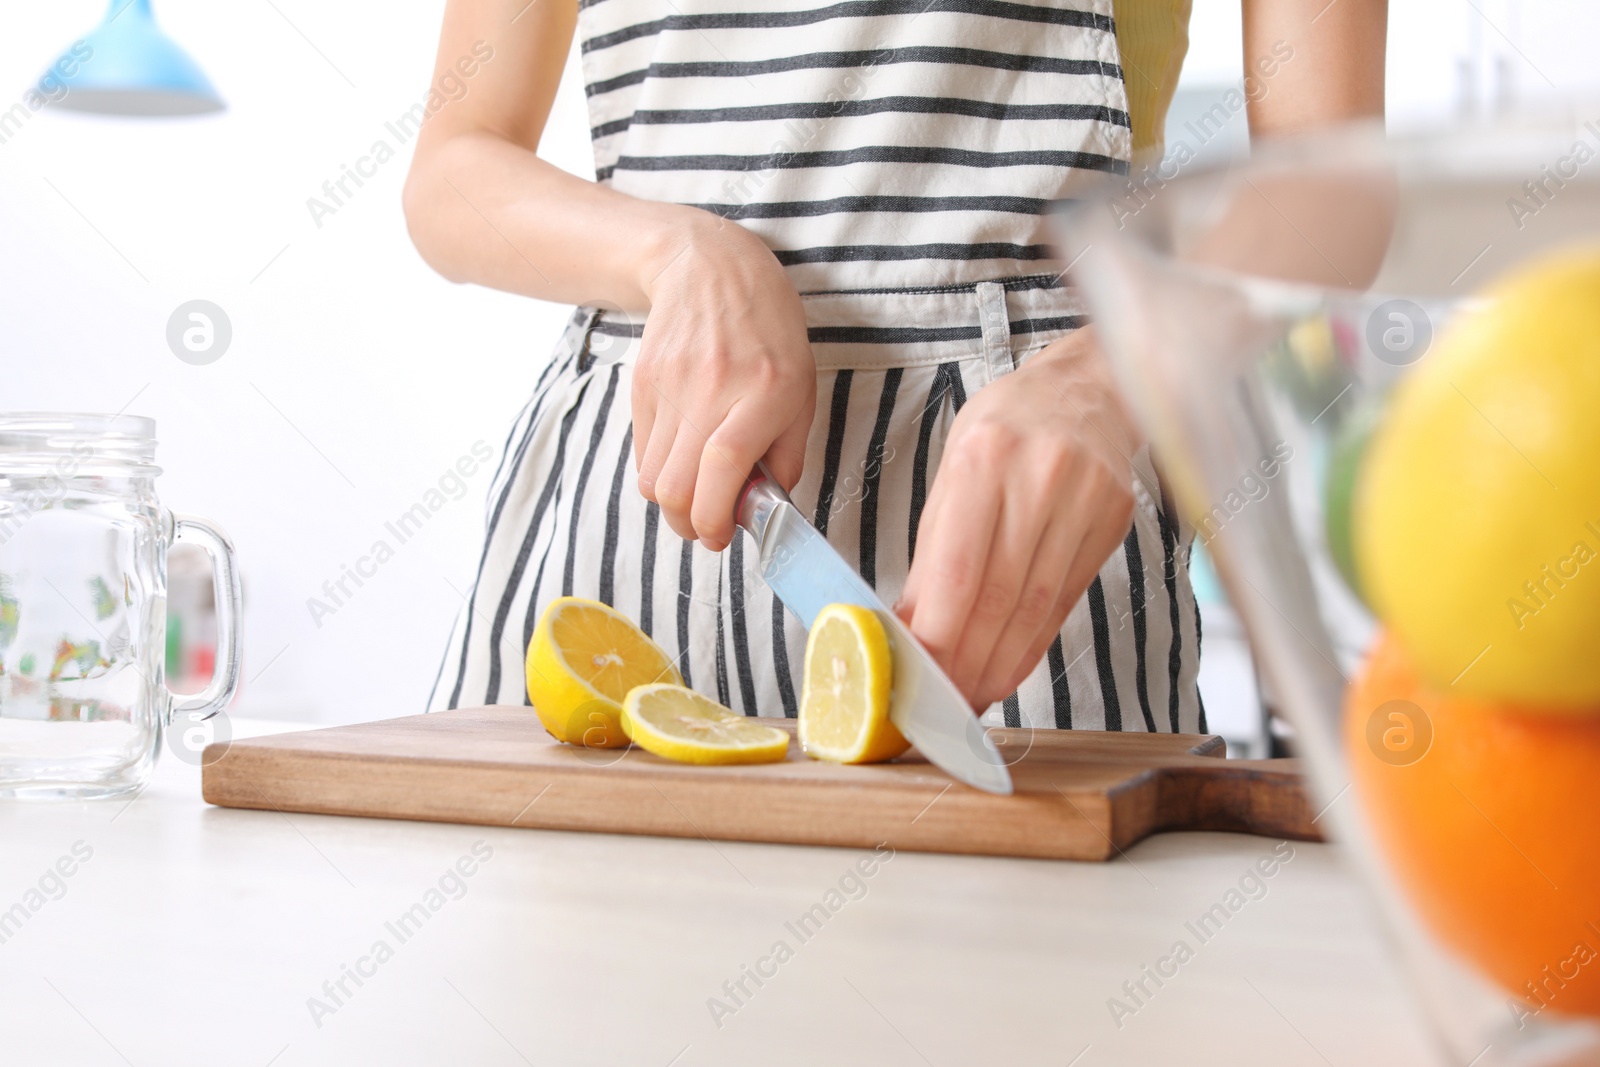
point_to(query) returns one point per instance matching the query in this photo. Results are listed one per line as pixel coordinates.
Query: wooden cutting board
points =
(1079, 795)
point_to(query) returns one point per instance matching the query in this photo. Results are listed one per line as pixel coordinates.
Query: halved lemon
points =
(679, 724)
(844, 709)
(582, 661)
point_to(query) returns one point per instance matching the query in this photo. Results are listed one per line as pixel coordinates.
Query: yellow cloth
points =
(1153, 36)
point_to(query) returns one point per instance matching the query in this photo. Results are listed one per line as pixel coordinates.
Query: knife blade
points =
(805, 572)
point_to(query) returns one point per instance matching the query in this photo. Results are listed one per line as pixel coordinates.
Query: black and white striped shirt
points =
(870, 143)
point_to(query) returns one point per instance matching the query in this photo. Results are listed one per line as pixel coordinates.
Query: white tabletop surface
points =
(198, 935)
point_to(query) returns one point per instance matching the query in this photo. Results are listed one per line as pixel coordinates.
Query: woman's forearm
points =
(482, 209)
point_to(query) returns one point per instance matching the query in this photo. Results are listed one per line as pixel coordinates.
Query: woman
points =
(829, 222)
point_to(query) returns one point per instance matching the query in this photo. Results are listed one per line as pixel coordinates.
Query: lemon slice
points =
(582, 661)
(844, 711)
(679, 724)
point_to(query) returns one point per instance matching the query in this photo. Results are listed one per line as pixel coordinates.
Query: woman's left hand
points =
(1033, 494)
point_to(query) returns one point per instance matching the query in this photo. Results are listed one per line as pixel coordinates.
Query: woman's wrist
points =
(689, 238)
(1075, 368)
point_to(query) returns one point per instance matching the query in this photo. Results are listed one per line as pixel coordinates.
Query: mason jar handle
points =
(186, 529)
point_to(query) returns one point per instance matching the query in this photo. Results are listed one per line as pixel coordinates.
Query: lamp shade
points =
(127, 66)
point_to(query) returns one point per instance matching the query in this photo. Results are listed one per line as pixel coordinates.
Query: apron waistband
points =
(999, 322)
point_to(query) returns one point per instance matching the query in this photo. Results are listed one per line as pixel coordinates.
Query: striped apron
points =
(901, 180)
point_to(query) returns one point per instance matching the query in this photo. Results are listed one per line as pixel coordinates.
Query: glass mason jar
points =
(83, 599)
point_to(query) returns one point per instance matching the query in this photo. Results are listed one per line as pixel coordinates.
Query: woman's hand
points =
(1033, 494)
(724, 378)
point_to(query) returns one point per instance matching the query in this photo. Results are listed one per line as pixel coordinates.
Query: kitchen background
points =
(355, 379)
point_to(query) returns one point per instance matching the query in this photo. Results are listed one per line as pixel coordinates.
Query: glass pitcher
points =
(83, 591)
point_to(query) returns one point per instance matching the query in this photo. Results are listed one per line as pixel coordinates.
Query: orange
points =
(1487, 814)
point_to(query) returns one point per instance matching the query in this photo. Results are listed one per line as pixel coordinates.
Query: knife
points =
(805, 572)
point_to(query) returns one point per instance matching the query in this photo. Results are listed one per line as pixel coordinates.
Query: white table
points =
(197, 935)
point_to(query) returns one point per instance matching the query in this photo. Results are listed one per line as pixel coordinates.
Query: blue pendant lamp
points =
(127, 66)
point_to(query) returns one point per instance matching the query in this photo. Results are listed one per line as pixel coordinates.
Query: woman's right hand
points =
(724, 378)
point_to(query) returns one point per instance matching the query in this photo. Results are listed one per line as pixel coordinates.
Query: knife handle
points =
(758, 499)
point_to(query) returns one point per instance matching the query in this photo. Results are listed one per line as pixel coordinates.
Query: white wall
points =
(1444, 55)
(356, 377)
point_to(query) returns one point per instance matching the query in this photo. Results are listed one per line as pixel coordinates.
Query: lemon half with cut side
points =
(582, 661)
(679, 724)
(844, 710)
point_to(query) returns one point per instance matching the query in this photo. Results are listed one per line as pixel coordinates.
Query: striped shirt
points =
(870, 143)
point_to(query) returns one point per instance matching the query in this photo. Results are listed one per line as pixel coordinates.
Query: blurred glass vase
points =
(1262, 316)
(83, 585)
